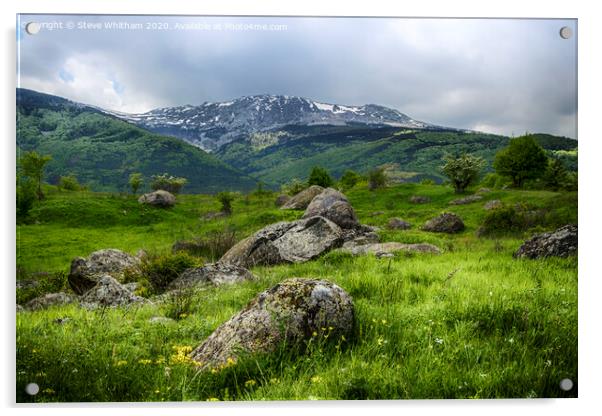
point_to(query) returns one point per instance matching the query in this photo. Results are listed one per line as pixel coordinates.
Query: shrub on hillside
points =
(521, 160)
(320, 176)
(212, 246)
(69, 183)
(293, 187)
(160, 271)
(225, 198)
(41, 284)
(26, 197)
(377, 179)
(349, 179)
(168, 183)
(462, 170)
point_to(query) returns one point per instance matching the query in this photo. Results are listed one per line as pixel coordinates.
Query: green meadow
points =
(472, 322)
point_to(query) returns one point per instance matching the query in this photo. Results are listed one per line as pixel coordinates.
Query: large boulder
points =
(286, 242)
(444, 223)
(48, 300)
(294, 311)
(303, 198)
(380, 249)
(159, 198)
(466, 200)
(85, 273)
(398, 224)
(333, 205)
(108, 292)
(560, 243)
(216, 274)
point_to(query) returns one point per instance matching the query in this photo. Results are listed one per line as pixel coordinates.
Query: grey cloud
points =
(509, 76)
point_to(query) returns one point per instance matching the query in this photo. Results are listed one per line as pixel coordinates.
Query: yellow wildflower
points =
(314, 334)
(48, 391)
(145, 361)
(384, 321)
(213, 399)
(160, 360)
(316, 379)
(250, 383)
(121, 363)
(214, 371)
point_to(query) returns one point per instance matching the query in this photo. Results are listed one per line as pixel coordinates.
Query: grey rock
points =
(159, 198)
(286, 242)
(292, 311)
(398, 224)
(483, 190)
(303, 198)
(493, 204)
(466, 200)
(214, 215)
(161, 320)
(216, 274)
(376, 213)
(333, 205)
(132, 286)
(27, 283)
(416, 199)
(445, 223)
(282, 200)
(561, 243)
(108, 292)
(85, 273)
(48, 300)
(379, 249)
(20, 308)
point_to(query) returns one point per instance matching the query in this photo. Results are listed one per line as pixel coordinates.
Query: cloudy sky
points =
(499, 76)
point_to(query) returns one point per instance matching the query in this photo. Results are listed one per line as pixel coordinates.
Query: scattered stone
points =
(398, 224)
(132, 286)
(282, 200)
(444, 223)
(61, 321)
(483, 190)
(27, 283)
(379, 249)
(466, 200)
(493, 204)
(216, 274)
(48, 300)
(561, 243)
(376, 213)
(333, 205)
(159, 198)
(416, 199)
(85, 273)
(286, 242)
(294, 311)
(212, 215)
(161, 320)
(108, 292)
(141, 254)
(303, 198)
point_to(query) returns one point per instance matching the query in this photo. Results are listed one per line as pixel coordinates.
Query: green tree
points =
(522, 159)
(349, 179)
(226, 198)
(32, 166)
(462, 170)
(26, 196)
(320, 176)
(377, 179)
(555, 175)
(168, 183)
(136, 180)
(69, 183)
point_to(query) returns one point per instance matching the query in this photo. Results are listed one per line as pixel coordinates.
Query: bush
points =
(462, 171)
(427, 181)
(41, 284)
(135, 182)
(179, 304)
(168, 183)
(521, 160)
(160, 271)
(69, 183)
(294, 187)
(349, 179)
(226, 198)
(320, 176)
(26, 197)
(212, 246)
(377, 179)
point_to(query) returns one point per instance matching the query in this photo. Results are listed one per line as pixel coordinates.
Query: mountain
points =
(213, 125)
(102, 151)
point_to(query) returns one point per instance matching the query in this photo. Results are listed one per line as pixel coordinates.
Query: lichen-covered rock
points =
(444, 223)
(416, 199)
(493, 204)
(333, 205)
(561, 243)
(20, 308)
(466, 200)
(379, 249)
(85, 273)
(159, 198)
(48, 300)
(398, 224)
(294, 311)
(303, 198)
(108, 292)
(216, 274)
(286, 242)
(282, 199)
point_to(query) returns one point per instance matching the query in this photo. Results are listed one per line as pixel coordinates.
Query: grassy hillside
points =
(361, 148)
(470, 323)
(102, 151)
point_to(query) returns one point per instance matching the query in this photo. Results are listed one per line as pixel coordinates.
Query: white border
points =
(590, 135)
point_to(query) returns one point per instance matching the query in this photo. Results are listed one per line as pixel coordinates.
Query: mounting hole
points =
(566, 32)
(32, 389)
(566, 384)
